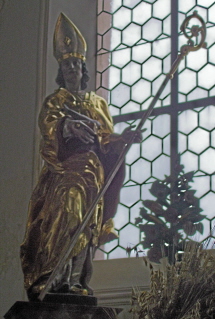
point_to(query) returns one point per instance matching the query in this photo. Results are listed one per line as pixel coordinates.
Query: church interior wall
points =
(23, 41)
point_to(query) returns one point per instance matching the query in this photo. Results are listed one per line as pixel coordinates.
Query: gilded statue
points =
(78, 147)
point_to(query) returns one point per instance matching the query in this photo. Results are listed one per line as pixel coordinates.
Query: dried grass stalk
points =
(183, 290)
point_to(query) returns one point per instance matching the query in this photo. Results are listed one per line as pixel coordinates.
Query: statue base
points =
(67, 298)
(61, 306)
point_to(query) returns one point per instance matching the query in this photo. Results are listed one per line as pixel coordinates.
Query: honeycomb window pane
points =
(196, 94)
(119, 127)
(161, 125)
(151, 153)
(131, 106)
(132, 231)
(129, 195)
(110, 246)
(187, 81)
(206, 76)
(115, 38)
(120, 95)
(161, 167)
(127, 176)
(102, 64)
(198, 140)
(121, 57)
(114, 76)
(105, 41)
(99, 42)
(148, 126)
(181, 17)
(121, 217)
(167, 26)
(152, 29)
(141, 91)
(211, 13)
(205, 3)
(190, 161)
(182, 143)
(118, 253)
(161, 9)
(133, 154)
(185, 6)
(134, 211)
(210, 36)
(213, 138)
(115, 4)
(151, 1)
(212, 52)
(166, 100)
(213, 183)
(114, 110)
(196, 60)
(99, 6)
(107, 6)
(166, 64)
(201, 184)
(142, 13)
(141, 52)
(166, 145)
(131, 3)
(188, 120)
(104, 22)
(150, 73)
(181, 98)
(207, 116)
(131, 34)
(145, 192)
(140, 171)
(98, 80)
(206, 202)
(207, 160)
(121, 18)
(161, 48)
(212, 92)
(131, 73)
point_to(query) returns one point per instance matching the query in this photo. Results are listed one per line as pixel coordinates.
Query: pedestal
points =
(61, 306)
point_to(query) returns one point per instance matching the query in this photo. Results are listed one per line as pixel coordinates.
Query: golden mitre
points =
(68, 40)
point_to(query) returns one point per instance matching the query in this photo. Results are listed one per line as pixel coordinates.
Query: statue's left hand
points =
(80, 129)
(127, 134)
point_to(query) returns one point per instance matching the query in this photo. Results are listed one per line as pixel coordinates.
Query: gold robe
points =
(70, 179)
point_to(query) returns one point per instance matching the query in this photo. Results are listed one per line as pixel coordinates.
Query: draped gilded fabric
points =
(72, 176)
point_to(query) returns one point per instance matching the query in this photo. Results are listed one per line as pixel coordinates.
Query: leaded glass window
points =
(137, 42)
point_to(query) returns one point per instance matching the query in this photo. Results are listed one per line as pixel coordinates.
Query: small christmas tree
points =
(172, 217)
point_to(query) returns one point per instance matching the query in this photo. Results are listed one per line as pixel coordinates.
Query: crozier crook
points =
(185, 49)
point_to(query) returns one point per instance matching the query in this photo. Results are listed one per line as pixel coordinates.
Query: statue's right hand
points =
(80, 130)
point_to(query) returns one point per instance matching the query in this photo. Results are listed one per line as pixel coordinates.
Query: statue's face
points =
(72, 72)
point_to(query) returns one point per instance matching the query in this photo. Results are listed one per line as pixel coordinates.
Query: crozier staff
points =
(79, 148)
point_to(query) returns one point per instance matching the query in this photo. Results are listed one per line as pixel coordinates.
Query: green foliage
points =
(175, 209)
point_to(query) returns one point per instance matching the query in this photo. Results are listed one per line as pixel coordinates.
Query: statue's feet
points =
(88, 288)
(34, 291)
(62, 287)
(78, 290)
